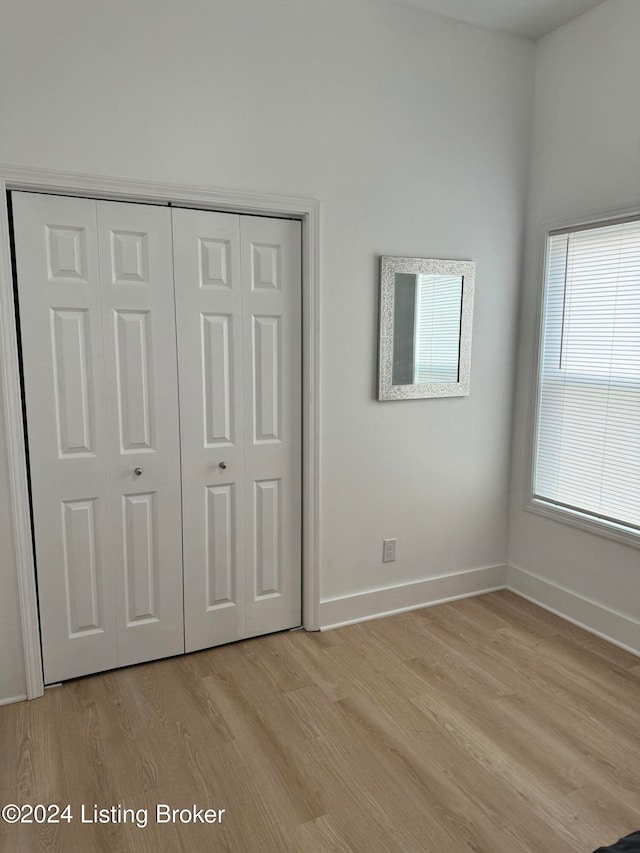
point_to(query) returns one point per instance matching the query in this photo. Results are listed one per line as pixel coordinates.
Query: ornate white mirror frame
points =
(433, 268)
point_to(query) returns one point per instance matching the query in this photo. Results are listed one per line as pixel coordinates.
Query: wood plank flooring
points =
(483, 725)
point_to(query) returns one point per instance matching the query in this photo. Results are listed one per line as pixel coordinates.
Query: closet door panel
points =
(136, 267)
(64, 378)
(271, 294)
(209, 312)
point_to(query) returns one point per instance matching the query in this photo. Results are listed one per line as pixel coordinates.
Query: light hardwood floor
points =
(486, 724)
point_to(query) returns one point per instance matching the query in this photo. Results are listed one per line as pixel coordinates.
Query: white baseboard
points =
(361, 606)
(615, 627)
(11, 699)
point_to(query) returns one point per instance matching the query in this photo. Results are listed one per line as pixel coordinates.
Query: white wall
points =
(585, 160)
(412, 131)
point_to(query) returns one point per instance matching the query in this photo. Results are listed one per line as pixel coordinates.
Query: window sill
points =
(600, 527)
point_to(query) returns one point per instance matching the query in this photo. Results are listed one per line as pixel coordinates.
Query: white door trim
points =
(123, 189)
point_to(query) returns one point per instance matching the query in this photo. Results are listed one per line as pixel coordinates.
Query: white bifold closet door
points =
(160, 466)
(238, 301)
(97, 319)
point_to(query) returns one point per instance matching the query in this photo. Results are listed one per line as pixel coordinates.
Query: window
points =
(587, 437)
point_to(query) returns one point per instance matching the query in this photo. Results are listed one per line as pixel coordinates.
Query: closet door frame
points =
(305, 209)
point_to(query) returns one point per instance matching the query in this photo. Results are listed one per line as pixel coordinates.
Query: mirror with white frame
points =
(426, 311)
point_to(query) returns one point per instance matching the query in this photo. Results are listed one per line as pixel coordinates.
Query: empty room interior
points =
(320, 426)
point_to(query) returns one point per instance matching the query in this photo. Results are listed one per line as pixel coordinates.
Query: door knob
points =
(137, 471)
(223, 465)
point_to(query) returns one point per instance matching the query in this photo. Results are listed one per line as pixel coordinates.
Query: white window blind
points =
(437, 328)
(587, 453)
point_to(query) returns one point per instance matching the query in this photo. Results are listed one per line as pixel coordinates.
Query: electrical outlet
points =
(389, 550)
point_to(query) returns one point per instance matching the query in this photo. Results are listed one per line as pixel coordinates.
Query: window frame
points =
(573, 517)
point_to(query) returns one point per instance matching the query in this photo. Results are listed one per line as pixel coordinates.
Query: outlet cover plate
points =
(389, 550)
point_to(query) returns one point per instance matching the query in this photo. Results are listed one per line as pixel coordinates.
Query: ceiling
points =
(532, 18)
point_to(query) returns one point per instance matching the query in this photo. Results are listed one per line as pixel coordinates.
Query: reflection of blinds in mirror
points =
(588, 423)
(437, 328)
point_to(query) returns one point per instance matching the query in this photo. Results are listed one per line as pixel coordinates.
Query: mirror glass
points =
(426, 313)
(426, 333)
